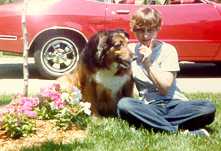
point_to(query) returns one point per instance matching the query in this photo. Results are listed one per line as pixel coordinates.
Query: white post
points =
(25, 48)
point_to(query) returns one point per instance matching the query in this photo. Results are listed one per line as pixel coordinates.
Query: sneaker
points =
(198, 132)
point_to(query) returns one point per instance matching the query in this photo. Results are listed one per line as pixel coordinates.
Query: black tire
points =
(56, 56)
(218, 64)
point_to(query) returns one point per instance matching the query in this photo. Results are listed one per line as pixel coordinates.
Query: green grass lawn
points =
(113, 134)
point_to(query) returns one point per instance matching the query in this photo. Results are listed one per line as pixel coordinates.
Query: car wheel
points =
(56, 55)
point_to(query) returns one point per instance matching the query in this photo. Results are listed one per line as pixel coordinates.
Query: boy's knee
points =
(123, 104)
(208, 108)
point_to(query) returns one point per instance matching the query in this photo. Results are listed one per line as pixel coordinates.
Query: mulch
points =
(45, 131)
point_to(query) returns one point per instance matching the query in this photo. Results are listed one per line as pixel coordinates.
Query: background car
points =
(59, 29)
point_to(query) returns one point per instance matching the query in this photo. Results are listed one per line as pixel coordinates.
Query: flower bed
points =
(55, 114)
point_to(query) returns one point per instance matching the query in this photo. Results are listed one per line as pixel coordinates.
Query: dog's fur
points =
(103, 73)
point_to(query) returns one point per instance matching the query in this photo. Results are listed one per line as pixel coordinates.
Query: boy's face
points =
(145, 35)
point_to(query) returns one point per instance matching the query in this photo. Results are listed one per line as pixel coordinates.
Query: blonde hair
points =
(145, 18)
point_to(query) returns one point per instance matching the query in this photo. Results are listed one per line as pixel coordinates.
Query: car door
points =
(189, 27)
(10, 27)
(194, 29)
(118, 15)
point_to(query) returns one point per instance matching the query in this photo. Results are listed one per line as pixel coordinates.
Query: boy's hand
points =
(146, 54)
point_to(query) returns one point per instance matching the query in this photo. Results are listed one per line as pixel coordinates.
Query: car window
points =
(156, 2)
(184, 1)
(106, 1)
(100, 0)
(124, 1)
(139, 2)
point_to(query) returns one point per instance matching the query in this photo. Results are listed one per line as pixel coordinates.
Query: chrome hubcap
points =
(60, 55)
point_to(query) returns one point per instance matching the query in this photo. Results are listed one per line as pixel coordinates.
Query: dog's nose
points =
(133, 57)
(125, 64)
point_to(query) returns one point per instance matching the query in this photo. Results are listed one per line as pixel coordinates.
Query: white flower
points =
(77, 94)
(52, 105)
(65, 97)
(70, 98)
(86, 107)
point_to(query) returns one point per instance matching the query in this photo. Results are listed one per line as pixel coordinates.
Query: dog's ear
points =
(121, 31)
(126, 34)
(101, 46)
(93, 50)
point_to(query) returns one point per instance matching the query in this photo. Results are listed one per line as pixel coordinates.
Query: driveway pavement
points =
(192, 78)
(193, 85)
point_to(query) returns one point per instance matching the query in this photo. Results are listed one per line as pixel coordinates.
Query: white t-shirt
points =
(164, 56)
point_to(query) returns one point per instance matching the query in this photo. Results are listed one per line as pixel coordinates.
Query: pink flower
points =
(53, 87)
(52, 92)
(56, 86)
(58, 104)
(55, 96)
(27, 103)
(35, 101)
(29, 113)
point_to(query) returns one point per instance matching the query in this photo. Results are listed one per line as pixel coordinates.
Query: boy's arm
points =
(163, 80)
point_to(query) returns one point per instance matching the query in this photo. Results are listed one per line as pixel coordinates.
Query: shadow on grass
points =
(51, 146)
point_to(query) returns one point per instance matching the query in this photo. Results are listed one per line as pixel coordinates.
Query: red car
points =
(59, 29)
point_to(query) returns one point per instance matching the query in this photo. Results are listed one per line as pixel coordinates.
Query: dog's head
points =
(107, 49)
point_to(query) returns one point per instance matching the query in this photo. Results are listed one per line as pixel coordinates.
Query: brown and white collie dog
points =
(103, 73)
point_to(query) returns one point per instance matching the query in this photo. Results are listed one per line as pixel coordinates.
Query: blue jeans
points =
(167, 115)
